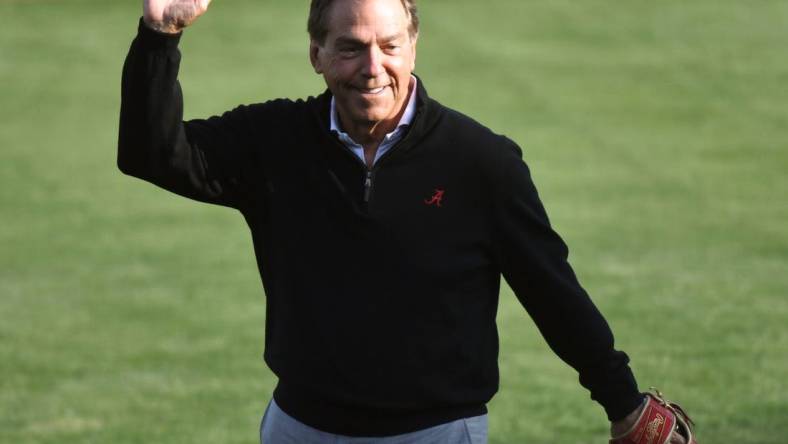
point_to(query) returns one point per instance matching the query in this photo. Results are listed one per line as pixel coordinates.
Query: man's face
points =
(366, 59)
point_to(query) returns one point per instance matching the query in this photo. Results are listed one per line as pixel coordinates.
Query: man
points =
(382, 223)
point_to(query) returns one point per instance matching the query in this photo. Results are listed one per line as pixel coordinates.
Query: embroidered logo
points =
(436, 198)
(653, 428)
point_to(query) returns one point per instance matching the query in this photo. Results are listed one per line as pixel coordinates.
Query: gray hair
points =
(318, 10)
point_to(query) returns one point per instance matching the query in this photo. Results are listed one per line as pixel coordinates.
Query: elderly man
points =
(382, 222)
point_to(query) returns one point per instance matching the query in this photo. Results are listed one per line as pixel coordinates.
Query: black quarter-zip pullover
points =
(381, 285)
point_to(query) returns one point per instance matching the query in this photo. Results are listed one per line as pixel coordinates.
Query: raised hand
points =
(171, 16)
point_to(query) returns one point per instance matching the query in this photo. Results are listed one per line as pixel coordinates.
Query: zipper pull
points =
(367, 186)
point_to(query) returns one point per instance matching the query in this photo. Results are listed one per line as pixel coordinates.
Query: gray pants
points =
(278, 427)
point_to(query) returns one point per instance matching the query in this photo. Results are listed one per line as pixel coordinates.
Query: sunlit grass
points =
(656, 134)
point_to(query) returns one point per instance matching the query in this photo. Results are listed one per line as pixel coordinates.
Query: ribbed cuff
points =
(623, 407)
(155, 40)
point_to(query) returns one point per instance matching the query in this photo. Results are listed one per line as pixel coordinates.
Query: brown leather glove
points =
(658, 419)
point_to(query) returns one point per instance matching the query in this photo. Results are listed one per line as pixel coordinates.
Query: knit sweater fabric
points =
(381, 285)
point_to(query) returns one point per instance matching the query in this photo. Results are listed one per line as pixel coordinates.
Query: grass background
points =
(656, 132)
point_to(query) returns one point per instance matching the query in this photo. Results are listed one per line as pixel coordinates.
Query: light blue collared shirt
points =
(389, 140)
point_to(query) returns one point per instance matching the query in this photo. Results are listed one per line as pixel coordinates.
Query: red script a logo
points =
(436, 198)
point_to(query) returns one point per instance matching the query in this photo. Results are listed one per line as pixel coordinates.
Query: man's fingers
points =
(676, 438)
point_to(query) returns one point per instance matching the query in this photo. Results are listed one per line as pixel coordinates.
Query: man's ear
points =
(314, 56)
(413, 42)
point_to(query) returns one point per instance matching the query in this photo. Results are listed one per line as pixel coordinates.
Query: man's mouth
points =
(371, 91)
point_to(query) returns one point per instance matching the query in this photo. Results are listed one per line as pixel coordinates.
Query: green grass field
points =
(657, 133)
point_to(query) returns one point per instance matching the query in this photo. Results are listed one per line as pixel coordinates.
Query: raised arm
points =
(199, 159)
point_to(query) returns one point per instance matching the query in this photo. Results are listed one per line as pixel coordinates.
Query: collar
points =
(429, 114)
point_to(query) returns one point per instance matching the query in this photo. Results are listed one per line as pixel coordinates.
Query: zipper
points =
(368, 171)
(375, 166)
(368, 185)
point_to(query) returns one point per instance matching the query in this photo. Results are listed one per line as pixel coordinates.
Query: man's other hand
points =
(171, 16)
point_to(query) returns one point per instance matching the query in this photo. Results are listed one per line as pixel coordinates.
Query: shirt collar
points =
(406, 119)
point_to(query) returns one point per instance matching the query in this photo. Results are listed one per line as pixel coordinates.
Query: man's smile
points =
(371, 91)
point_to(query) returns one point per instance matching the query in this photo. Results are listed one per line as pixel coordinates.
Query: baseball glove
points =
(657, 421)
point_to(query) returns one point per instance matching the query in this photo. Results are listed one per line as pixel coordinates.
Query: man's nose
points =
(373, 62)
